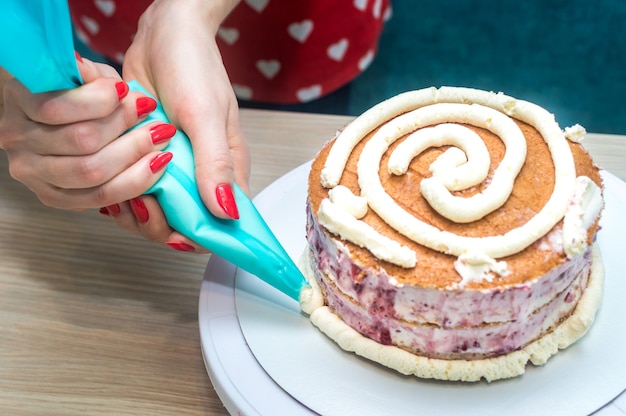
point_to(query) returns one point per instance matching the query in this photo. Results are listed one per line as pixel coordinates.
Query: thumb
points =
(90, 71)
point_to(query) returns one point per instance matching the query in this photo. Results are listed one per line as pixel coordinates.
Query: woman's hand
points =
(174, 56)
(70, 147)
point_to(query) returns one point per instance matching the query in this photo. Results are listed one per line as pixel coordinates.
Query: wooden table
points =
(94, 321)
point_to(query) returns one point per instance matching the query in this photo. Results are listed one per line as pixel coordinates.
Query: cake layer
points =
(370, 309)
(453, 223)
(501, 367)
(378, 293)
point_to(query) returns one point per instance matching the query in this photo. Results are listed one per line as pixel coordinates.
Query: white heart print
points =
(258, 5)
(378, 5)
(366, 60)
(360, 4)
(107, 7)
(309, 93)
(300, 31)
(242, 91)
(336, 51)
(90, 24)
(269, 68)
(228, 35)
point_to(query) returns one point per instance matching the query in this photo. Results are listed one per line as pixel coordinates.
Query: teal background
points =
(568, 56)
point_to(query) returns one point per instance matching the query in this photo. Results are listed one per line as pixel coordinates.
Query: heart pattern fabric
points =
(274, 51)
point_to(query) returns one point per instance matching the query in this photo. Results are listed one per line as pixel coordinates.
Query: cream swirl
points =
(432, 118)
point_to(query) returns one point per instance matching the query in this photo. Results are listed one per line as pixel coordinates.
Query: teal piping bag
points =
(41, 55)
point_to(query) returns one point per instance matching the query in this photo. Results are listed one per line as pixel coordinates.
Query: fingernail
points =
(162, 132)
(78, 57)
(122, 90)
(113, 209)
(104, 211)
(180, 246)
(139, 209)
(226, 200)
(159, 161)
(145, 105)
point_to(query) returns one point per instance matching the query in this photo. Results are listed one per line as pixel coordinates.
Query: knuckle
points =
(101, 196)
(220, 162)
(84, 138)
(16, 171)
(91, 171)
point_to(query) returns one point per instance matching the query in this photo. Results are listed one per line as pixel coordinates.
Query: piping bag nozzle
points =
(38, 49)
(247, 242)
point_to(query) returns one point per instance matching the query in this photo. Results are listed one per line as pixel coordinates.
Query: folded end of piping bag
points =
(247, 242)
(37, 46)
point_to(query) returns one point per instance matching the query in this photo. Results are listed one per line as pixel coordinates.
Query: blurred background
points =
(569, 56)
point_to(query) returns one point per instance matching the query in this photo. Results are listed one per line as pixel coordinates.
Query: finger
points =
(240, 154)
(143, 216)
(211, 139)
(179, 242)
(90, 70)
(134, 181)
(90, 136)
(91, 101)
(76, 172)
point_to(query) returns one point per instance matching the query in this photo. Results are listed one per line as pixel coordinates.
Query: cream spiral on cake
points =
(455, 225)
(407, 114)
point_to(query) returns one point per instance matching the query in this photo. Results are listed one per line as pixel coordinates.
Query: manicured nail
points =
(122, 90)
(113, 209)
(139, 209)
(180, 246)
(104, 211)
(145, 105)
(226, 200)
(159, 161)
(162, 132)
(78, 57)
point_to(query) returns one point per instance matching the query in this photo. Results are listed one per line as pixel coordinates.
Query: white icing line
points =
(342, 223)
(457, 170)
(414, 110)
(354, 205)
(582, 211)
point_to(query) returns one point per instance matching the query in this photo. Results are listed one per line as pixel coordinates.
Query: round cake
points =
(451, 235)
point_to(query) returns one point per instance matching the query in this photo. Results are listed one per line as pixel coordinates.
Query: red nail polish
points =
(180, 246)
(145, 105)
(104, 211)
(162, 132)
(226, 200)
(78, 57)
(159, 161)
(122, 90)
(139, 209)
(113, 209)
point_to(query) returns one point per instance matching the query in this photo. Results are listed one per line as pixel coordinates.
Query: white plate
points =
(264, 357)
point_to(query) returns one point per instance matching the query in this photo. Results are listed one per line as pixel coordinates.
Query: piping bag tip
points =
(248, 242)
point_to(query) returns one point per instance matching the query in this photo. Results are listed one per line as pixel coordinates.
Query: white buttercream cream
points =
(476, 267)
(575, 133)
(352, 204)
(426, 114)
(340, 222)
(584, 208)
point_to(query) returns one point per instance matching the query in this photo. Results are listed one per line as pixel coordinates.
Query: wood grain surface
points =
(95, 321)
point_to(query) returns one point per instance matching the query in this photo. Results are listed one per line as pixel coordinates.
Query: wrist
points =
(210, 13)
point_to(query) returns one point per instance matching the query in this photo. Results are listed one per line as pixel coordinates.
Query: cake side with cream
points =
(456, 226)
